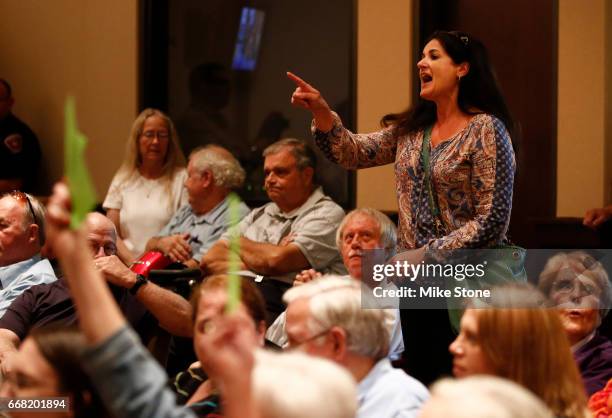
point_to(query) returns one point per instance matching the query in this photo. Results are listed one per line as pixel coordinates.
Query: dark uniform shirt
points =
(51, 303)
(19, 152)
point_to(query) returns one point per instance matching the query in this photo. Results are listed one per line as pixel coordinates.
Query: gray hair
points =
(225, 168)
(387, 229)
(582, 263)
(489, 397)
(296, 385)
(336, 301)
(303, 154)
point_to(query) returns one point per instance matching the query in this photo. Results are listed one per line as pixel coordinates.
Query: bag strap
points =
(425, 153)
(433, 201)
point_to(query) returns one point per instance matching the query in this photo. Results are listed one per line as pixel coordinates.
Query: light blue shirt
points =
(204, 230)
(18, 277)
(389, 393)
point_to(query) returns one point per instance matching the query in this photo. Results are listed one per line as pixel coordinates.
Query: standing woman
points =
(148, 188)
(461, 126)
(471, 157)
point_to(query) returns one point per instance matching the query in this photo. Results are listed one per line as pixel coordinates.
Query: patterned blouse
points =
(472, 175)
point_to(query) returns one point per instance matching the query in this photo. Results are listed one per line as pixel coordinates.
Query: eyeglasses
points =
(291, 345)
(149, 135)
(22, 197)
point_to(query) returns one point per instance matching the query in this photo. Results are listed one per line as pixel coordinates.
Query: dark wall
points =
(521, 37)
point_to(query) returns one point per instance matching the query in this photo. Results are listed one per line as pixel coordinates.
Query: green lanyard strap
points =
(433, 204)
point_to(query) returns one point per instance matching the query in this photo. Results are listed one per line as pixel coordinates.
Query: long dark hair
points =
(478, 89)
(63, 348)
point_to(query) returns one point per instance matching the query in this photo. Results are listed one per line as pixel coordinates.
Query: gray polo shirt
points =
(204, 230)
(313, 227)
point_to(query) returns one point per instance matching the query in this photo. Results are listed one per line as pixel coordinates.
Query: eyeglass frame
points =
(311, 338)
(150, 135)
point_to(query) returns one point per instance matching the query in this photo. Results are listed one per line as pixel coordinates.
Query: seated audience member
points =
(294, 232)
(482, 397)
(130, 382)
(360, 230)
(212, 173)
(19, 147)
(193, 387)
(600, 402)
(580, 287)
(515, 339)
(596, 217)
(22, 235)
(51, 303)
(148, 187)
(267, 384)
(48, 365)
(324, 318)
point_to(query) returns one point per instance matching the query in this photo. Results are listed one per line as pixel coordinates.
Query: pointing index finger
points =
(298, 81)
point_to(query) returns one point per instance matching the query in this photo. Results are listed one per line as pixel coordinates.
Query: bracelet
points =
(140, 281)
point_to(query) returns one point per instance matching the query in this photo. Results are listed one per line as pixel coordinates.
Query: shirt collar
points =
(315, 196)
(212, 215)
(380, 369)
(9, 273)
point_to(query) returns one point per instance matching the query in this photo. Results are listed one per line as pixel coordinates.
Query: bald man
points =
(22, 235)
(51, 303)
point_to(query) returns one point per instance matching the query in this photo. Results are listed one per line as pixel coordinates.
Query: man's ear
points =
(308, 175)
(32, 232)
(338, 336)
(207, 178)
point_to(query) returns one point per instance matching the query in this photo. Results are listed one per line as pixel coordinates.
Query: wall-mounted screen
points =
(248, 39)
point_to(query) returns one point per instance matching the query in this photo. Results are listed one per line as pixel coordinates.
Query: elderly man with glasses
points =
(325, 318)
(22, 235)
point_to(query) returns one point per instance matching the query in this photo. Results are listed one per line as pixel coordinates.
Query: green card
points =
(81, 188)
(233, 284)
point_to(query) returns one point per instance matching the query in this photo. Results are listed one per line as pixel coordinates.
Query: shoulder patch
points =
(14, 143)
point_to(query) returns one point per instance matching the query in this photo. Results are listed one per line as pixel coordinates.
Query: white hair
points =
(295, 385)
(386, 229)
(226, 169)
(336, 301)
(483, 397)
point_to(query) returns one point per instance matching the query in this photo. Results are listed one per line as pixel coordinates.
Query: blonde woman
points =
(525, 345)
(148, 188)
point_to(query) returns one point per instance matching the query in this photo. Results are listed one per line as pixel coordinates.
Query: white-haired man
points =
(325, 319)
(22, 235)
(361, 230)
(212, 174)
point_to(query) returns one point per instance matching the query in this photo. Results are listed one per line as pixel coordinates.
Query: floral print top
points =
(472, 175)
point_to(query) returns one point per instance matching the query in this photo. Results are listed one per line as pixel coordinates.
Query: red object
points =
(152, 260)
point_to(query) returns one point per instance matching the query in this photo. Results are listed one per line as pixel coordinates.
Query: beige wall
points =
(89, 49)
(86, 48)
(608, 105)
(581, 148)
(384, 71)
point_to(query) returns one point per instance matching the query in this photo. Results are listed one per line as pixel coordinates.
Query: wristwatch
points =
(140, 281)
